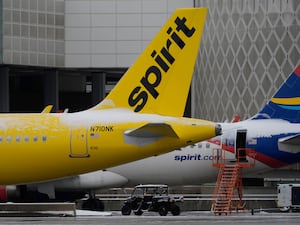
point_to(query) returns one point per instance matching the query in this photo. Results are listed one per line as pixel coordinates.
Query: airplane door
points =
(78, 143)
(240, 145)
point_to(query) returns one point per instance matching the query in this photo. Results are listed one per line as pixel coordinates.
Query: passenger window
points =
(44, 138)
(35, 138)
(207, 145)
(18, 138)
(26, 138)
(8, 139)
(1, 139)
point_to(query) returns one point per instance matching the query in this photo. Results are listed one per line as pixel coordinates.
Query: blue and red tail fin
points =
(285, 104)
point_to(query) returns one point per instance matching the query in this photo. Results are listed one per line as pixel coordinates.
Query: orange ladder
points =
(228, 191)
(227, 186)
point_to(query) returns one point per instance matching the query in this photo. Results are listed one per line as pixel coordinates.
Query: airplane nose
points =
(218, 129)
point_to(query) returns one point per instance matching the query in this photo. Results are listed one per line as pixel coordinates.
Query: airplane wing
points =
(290, 144)
(149, 133)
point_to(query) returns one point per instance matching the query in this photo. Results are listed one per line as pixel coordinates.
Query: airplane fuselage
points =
(264, 137)
(192, 165)
(60, 145)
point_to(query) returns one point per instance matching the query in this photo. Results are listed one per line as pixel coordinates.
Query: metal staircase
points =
(228, 191)
(228, 186)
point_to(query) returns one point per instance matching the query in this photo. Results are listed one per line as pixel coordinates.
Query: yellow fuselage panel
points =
(30, 145)
(39, 147)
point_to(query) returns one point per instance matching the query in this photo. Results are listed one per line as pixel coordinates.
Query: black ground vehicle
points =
(151, 197)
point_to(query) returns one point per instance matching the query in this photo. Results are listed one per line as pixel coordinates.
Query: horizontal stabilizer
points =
(292, 140)
(149, 133)
(290, 144)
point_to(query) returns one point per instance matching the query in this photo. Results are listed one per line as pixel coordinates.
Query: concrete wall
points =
(112, 33)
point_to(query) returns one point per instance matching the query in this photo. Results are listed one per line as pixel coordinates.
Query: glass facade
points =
(1, 33)
(112, 33)
(248, 47)
(33, 32)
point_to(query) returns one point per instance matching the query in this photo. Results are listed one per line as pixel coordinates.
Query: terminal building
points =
(70, 53)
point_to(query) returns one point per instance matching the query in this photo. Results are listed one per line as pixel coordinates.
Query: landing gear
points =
(92, 203)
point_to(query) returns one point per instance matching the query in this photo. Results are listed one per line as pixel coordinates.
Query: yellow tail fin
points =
(159, 80)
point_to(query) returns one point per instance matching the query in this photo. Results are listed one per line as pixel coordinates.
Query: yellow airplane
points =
(141, 116)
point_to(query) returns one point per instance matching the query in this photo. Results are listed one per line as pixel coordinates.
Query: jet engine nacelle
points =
(94, 180)
(74, 186)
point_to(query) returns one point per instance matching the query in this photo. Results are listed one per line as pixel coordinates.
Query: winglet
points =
(47, 109)
(285, 104)
(159, 80)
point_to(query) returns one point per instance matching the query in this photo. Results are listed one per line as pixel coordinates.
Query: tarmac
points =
(150, 218)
